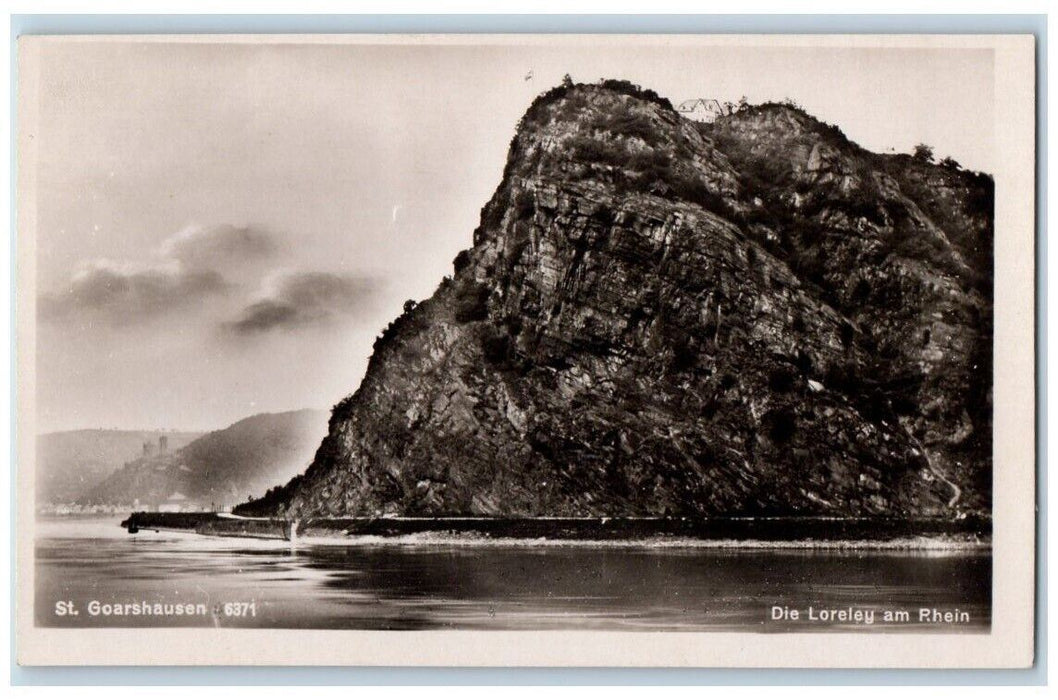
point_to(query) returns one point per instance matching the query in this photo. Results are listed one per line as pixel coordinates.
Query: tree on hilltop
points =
(923, 153)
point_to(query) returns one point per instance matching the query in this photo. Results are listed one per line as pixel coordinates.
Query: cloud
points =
(201, 274)
(208, 247)
(302, 298)
(190, 265)
(126, 292)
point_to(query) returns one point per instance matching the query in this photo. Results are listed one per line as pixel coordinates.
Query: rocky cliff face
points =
(660, 317)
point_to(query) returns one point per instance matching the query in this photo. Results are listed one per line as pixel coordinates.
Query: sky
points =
(224, 228)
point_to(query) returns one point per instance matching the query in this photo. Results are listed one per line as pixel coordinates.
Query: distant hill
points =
(71, 462)
(223, 467)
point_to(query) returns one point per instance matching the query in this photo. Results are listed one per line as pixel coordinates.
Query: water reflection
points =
(387, 586)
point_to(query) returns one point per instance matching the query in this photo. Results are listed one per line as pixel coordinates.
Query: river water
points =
(87, 568)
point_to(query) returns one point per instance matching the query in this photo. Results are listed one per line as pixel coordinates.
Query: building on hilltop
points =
(702, 109)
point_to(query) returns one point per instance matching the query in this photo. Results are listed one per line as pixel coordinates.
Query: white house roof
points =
(699, 103)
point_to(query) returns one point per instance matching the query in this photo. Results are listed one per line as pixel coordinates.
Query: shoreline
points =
(937, 546)
(804, 533)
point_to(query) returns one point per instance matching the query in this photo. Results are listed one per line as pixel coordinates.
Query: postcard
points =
(526, 350)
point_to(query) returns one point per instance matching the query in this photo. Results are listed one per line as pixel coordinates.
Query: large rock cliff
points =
(660, 317)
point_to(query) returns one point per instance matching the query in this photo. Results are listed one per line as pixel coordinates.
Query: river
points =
(90, 572)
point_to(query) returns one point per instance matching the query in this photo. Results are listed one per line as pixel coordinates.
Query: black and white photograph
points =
(526, 337)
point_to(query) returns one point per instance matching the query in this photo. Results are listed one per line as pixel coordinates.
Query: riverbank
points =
(815, 533)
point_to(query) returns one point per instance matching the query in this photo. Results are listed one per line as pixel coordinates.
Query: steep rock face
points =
(659, 317)
(903, 249)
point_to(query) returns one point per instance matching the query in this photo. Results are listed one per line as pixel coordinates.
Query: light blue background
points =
(612, 24)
